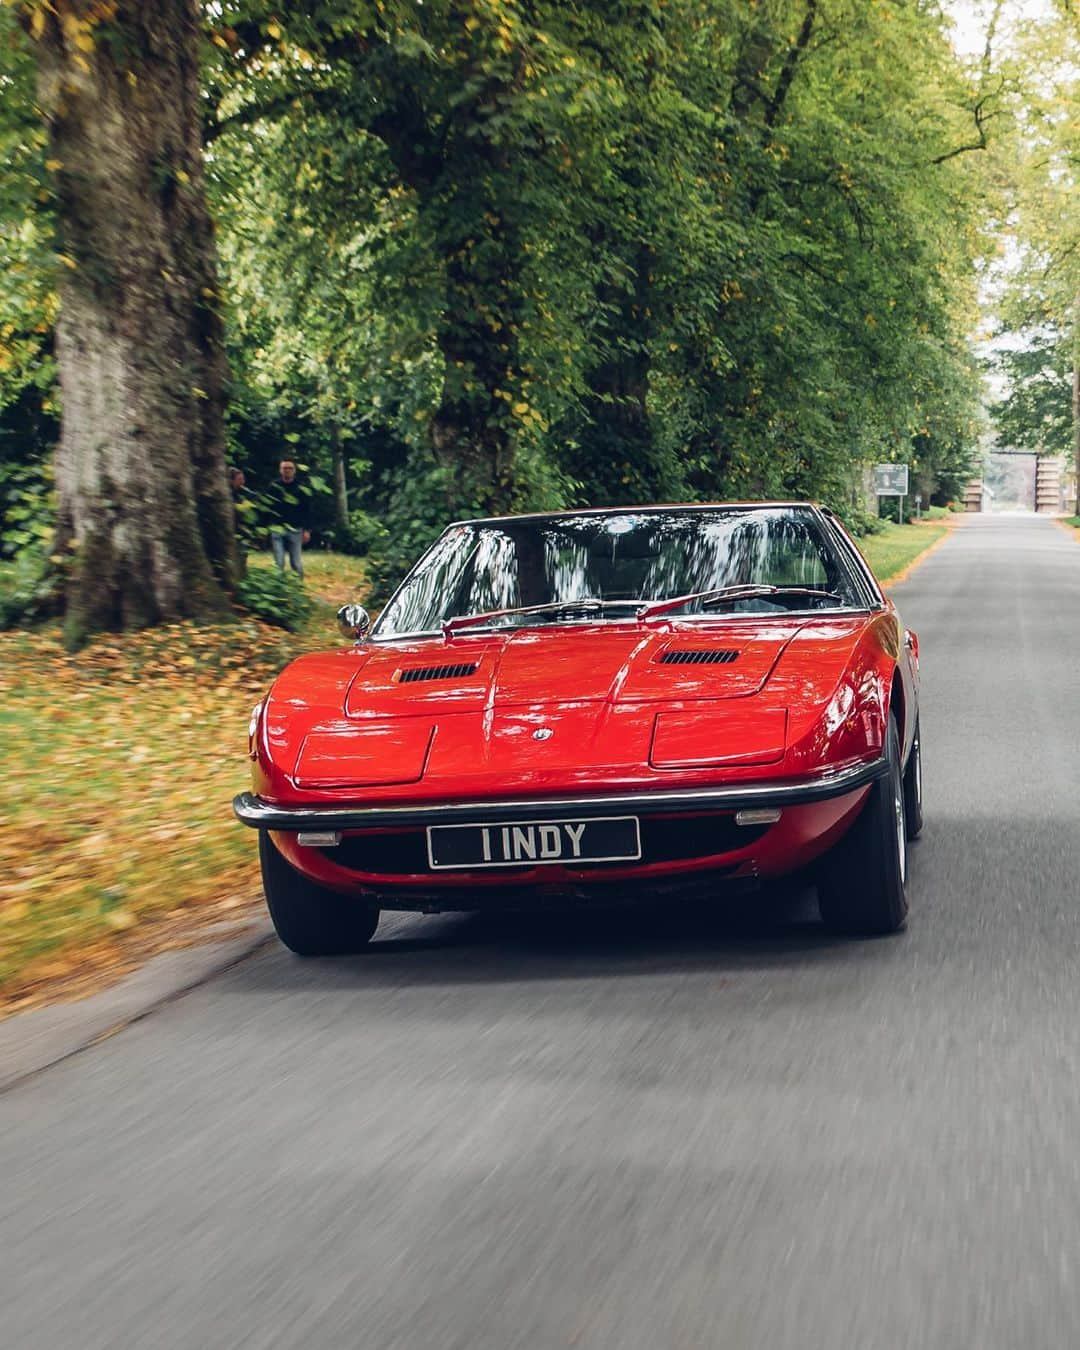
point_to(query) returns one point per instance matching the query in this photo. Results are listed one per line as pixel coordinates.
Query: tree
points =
(523, 254)
(143, 504)
(1039, 306)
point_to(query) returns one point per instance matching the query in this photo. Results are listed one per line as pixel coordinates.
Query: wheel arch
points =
(898, 704)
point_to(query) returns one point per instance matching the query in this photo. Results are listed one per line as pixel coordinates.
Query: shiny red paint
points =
(808, 694)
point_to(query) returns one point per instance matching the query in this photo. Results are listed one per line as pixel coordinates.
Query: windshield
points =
(625, 559)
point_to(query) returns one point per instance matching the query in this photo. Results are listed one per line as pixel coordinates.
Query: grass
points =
(897, 546)
(116, 835)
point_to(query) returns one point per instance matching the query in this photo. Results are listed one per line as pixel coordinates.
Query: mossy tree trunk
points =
(143, 502)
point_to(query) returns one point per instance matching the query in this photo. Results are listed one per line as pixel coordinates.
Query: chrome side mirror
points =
(354, 621)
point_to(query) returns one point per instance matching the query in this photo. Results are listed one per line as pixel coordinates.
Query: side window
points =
(863, 578)
(417, 606)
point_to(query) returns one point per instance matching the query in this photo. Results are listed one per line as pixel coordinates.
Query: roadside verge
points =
(41, 1037)
(895, 553)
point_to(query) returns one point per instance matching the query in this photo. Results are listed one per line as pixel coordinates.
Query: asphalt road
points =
(682, 1131)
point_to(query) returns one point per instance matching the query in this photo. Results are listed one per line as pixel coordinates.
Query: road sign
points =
(891, 480)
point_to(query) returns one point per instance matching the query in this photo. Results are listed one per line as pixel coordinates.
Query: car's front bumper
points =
(261, 814)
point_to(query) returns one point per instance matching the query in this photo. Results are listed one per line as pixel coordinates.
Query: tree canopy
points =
(1038, 295)
(484, 255)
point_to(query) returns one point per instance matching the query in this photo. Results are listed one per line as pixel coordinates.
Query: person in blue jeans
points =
(286, 501)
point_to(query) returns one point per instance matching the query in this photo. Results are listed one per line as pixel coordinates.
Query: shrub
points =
(28, 586)
(366, 534)
(858, 522)
(275, 597)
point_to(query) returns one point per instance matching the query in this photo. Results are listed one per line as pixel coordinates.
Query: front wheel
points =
(310, 920)
(862, 883)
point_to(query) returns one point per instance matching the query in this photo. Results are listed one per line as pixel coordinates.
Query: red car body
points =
(744, 744)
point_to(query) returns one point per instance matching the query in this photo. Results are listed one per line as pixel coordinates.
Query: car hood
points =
(532, 710)
(627, 664)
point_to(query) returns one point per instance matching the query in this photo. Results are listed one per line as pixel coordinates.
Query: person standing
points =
(243, 508)
(286, 501)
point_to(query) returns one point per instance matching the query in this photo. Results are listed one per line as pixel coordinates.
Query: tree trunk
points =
(621, 461)
(341, 487)
(474, 429)
(143, 501)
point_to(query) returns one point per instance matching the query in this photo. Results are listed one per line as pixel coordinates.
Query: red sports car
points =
(593, 705)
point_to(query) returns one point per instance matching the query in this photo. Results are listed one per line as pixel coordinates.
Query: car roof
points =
(638, 510)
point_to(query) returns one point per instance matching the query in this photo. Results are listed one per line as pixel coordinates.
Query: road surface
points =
(703, 1131)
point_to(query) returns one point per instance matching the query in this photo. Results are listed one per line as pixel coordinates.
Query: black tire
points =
(913, 816)
(861, 885)
(310, 920)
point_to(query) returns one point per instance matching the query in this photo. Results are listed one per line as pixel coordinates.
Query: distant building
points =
(978, 496)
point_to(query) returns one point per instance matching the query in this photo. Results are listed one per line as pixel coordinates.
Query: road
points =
(705, 1130)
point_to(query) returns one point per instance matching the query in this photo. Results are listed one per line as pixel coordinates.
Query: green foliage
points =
(274, 596)
(27, 505)
(860, 523)
(1037, 337)
(366, 534)
(496, 256)
(1036, 414)
(28, 586)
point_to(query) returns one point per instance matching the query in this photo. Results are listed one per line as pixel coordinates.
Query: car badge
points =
(543, 734)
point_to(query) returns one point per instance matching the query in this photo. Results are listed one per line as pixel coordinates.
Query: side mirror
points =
(354, 621)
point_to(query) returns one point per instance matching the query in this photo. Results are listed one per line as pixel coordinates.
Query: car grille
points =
(663, 839)
(710, 656)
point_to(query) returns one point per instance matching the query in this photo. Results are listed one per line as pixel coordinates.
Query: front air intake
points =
(414, 674)
(710, 656)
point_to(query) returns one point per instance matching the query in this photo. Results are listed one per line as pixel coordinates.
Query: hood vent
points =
(414, 674)
(688, 656)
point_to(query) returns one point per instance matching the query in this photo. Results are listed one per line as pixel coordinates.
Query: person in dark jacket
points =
(286, 502)
(244, 508)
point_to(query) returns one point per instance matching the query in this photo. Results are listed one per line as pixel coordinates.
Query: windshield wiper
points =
(725, 594)
(587, 605)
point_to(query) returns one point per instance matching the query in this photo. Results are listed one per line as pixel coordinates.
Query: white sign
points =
(891, 480)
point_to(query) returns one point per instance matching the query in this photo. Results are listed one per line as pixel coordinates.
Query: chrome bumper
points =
(260, 814)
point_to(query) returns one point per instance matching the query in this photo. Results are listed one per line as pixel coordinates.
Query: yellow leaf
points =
(273, 29)
(68, 260)
(84, 40)
(120, 919)
(54, 165)
(520, 409)
(37, 21)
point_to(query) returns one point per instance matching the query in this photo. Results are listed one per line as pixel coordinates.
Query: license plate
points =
(532, 843)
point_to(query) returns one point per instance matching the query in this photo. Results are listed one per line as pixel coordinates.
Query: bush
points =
(28, 586)
(858, 522)
(414, 516)
(27, 507)
(275, 597)
(366, 534)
